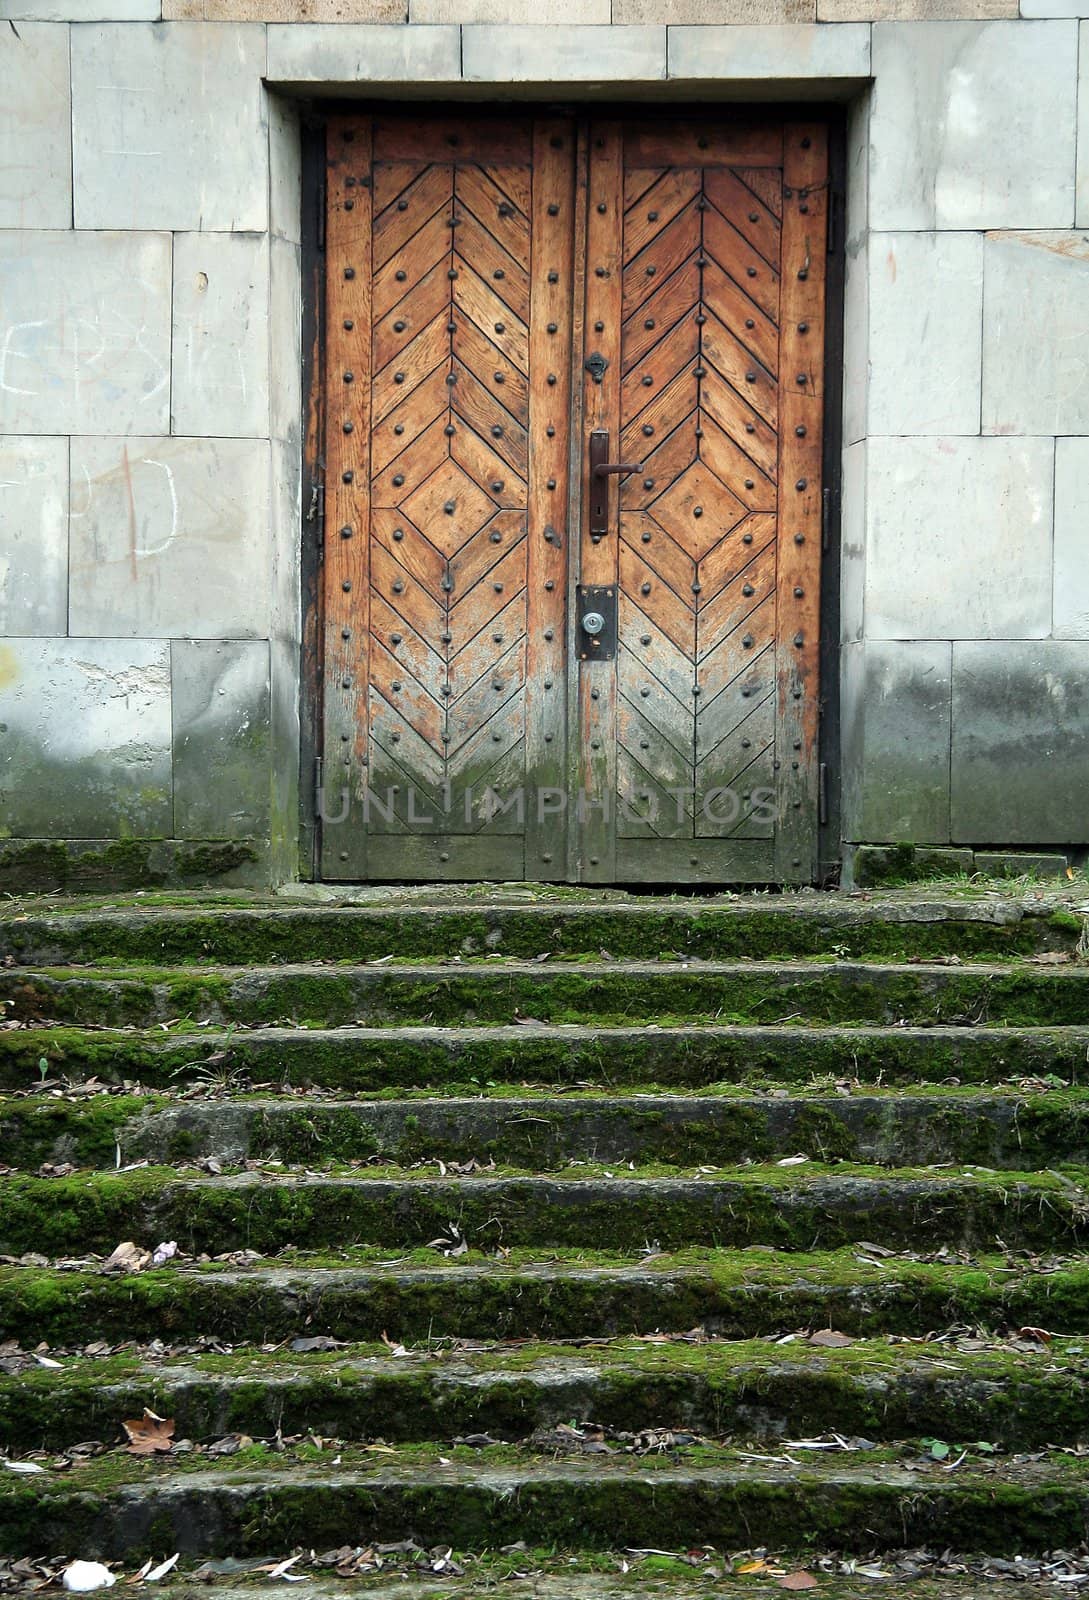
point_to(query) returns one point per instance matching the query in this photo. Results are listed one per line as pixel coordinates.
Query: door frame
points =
(313, 176)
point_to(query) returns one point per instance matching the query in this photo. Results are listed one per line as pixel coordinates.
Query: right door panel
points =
(704, 345)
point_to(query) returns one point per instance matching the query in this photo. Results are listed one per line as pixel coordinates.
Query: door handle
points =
(601, 470)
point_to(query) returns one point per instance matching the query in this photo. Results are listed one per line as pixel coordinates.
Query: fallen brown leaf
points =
(149, 1435)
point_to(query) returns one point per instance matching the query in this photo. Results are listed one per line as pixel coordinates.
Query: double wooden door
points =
(573, 422)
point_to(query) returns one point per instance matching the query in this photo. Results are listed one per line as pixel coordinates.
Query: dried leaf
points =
(798, 1580)
(829, 1339)
(149, 1435)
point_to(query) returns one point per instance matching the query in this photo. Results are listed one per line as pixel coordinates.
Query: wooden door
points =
(498, 293)
(705, 300)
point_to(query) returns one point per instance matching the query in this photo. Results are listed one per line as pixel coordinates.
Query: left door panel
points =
(449, 291)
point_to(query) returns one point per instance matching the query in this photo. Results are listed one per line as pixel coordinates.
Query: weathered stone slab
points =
(925, 335)
(169, 537)
(853, 541)
(289, 10)
(1036, 333)
(220, 344)
(704, 12)
(896, 720)
(285, 169)
(84, 332)
(86, 747)
(915, 10)
(1055, 8)
(1020, 767)
(35, 127)
(1071, 539)
(222, 779)
(973, 125)
(285, 323)
(80, 866)
(170, 127)
(543, 53)
(33, 536)
(856, 310)
(1018, 864)
(872, 866)
(513, 11)
(327, 57)
(80, 10)
(959, 538)
(796, 51)
(1082, 189)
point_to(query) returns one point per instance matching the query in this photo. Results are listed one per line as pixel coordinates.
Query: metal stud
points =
(747, 589)
(802, 483)
(644, 588)
(398, 327)
(349, 273)
(398, 534)
(398, 377)
(398, 480)
(649, 323)
(349, 377)
(648, 430)
(799, 538)
(346, 531)
(400, 275)
(648, 382)
(800, 431)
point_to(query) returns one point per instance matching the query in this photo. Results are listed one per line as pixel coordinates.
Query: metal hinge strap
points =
(822, 793)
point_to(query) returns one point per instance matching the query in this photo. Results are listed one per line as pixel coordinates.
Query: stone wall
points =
(150, 401)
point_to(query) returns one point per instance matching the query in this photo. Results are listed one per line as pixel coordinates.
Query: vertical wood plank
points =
(801, 417)
(549, 530)
(596, 801)
(347, 508)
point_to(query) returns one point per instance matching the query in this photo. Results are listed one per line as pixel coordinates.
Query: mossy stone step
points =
(503, 992)
(361, 1296)
(391, 1059)
(120, 1507)
(542, 1132)
(788, 1208)
(752, 1391)
(755, 927)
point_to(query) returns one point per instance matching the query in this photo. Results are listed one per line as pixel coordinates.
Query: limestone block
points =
(973, 125)
(220, 692)
(285, 323)
(896, 721)
(33, 536)
(84, 332)
(1020, 766)
(703, 12)
(327, 56)
(797, 51)
(1036, 333)
(85, 751)
(169, 126)
(914, 10)
(35, 127)
(852, 532)
(285, 169)
(542, 53)
(958, 538)
(856, 292)
(1071, 539)
(220, 345)
(80, 10)
(514, 11)
(1082, 195)
(296, 11)
(169, 537)
(1055, 8)
(925, 335)
(1019, 864)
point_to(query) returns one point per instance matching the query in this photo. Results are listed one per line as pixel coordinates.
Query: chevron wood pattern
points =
(440, 372)
(467, 259)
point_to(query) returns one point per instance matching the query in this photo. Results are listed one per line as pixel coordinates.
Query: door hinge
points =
(321, 198)
(822, 793)
(829, 507)
(319, 779)
(836, 210)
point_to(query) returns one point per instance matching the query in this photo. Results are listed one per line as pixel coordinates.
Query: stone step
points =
(760, 1392)
(505, 991)
(361, 1294)
(1003, 1129)
(788, 1208)
(561, 922)
(392, 1059)
(117, 1506)
(641, 1575)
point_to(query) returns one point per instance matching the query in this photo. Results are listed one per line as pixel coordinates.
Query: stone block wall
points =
(150, 404)
(966, 617)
